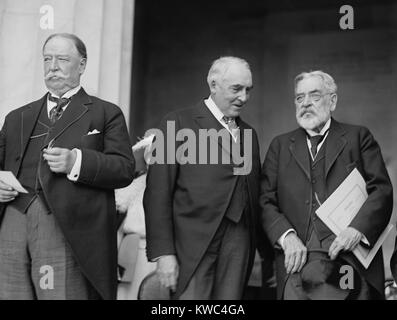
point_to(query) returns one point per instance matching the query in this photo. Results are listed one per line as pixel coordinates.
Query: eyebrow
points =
(313, 91)
(241, 86)
(57, 55)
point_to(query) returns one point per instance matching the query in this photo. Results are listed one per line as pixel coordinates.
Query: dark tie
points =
(232, 125)
(315, 141)
(57, 111)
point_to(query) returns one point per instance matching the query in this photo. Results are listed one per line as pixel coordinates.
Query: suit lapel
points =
(239, 146)
(75, 110)
(206, 120)
(28, 121)
(335, 144)
(299, 151)
(240, 139)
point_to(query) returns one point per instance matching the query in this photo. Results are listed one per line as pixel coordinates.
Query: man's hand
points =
(168, 271)
(7, 193)
(295, 253)
(60, 160)
(347, 240)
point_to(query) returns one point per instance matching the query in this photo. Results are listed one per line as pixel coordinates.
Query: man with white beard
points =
(301, 170)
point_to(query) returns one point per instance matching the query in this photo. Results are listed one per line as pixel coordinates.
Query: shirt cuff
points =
(75, 172)
(280, 241)
(365, 240)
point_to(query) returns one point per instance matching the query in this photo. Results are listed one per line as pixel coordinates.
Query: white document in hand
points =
(342, 206)
(8, 178)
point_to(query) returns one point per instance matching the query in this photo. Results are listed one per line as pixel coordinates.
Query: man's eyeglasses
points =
(315, 96)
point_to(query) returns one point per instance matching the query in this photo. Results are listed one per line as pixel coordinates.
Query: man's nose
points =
(54, 64)
(307, 101)
(244, 96)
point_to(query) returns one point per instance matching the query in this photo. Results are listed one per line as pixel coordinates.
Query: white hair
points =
(328, 81)
(220, 66)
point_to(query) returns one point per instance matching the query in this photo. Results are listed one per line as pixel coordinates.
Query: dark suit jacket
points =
(185, 204)
(286, 192)
(85, 210)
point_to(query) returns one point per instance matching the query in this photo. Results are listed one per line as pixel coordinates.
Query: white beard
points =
(312, 122)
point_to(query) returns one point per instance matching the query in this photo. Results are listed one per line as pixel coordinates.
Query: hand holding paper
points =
(7, 193)
(347, 240)
(339, 210)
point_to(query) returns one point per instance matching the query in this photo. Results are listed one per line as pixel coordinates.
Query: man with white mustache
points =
(69, 150)
(302, 168)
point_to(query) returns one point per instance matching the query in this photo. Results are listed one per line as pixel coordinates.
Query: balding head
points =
(80, 46)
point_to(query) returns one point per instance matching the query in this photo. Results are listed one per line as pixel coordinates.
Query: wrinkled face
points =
(231, 91)
(63, 65)
(313, 103)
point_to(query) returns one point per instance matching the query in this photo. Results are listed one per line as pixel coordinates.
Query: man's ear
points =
(83, 63)
(334, 100)
(213, 86)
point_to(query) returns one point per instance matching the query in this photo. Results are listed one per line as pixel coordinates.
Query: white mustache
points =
(50, 76)
(303, 112)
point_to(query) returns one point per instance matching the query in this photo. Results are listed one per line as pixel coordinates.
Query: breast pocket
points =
(92, 141)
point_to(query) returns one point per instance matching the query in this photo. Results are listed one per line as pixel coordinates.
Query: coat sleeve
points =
(159, 196)
(273, 220)
(375, 213)
(114, 166)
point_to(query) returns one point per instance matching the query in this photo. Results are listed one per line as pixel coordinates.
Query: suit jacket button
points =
(307, 202)
(17, 158)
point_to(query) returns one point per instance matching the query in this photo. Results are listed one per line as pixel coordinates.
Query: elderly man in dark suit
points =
(201, 215)
(70, 151)
(302, 168)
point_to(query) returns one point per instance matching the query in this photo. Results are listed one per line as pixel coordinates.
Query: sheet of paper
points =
(343, 204)
(9, 178)
(341, 207)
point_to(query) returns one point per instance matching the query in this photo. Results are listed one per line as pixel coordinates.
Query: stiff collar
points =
(68, 94)
(312, 133)
(51, 104)
(211, 105)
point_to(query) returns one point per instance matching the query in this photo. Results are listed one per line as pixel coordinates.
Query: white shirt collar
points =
(313, 133)
(218, 114)
(323, 130)
(51, 104)
(67, 94)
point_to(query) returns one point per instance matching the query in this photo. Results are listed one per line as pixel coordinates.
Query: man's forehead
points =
(238, 75)
(60, 45)
(312, 83)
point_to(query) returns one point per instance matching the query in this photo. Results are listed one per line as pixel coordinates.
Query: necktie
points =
(57, 111)
(232, 125)
(315, 141)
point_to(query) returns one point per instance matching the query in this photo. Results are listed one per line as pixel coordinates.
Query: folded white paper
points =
(340, 208)
(8, 178)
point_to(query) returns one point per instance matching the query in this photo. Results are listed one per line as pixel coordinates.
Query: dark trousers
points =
(35, 260)
(222, 272)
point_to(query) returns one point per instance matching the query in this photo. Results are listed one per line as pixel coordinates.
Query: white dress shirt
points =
(313, 133)
(75, 172)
